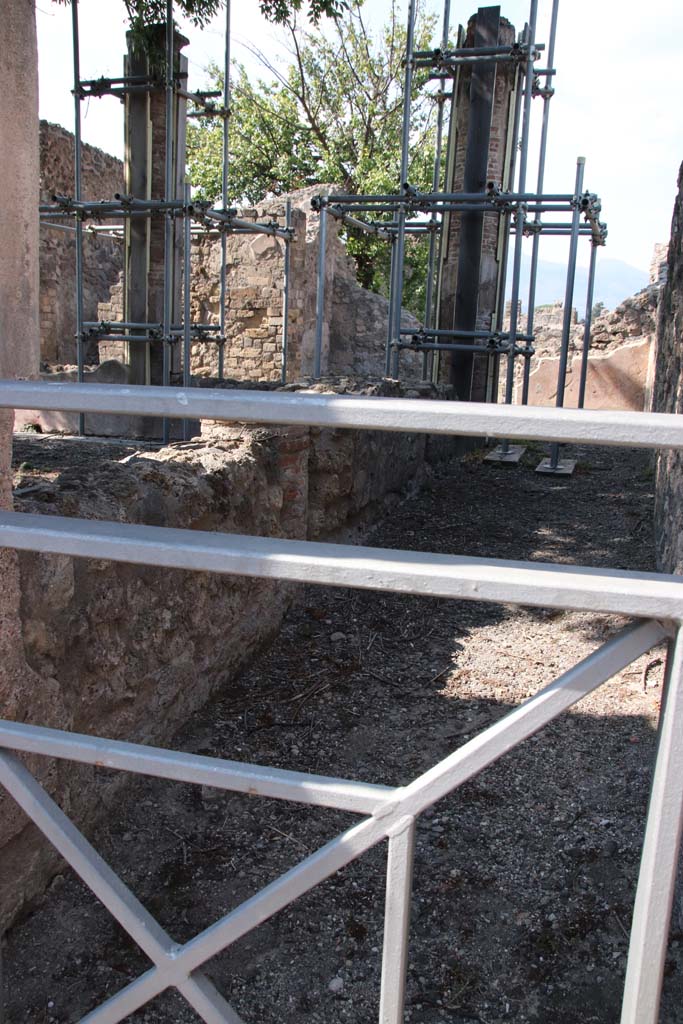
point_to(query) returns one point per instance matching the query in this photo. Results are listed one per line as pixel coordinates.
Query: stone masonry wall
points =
(254, 298)
(354, 319)
(668, 397)
(102, 257)
(130, 652)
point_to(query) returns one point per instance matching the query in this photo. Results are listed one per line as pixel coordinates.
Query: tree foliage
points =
(143, 13)
(332, 114)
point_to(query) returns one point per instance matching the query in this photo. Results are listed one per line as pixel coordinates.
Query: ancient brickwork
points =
(354, 321)
(254, 298)
(102, 257)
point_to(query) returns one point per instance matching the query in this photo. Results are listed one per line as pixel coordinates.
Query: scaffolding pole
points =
(168, 218)
(285, 291)
(390, 309)
(187, 324)
(80, 355)
(587, 323)
(506, 453)
(224, 189)
(547, 94)
(554, 465)
(436, 181)
(397, 296)
(320, 292)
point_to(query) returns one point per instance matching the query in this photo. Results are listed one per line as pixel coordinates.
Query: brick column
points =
(486, 255)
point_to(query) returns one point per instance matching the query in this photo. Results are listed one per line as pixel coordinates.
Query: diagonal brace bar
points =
(108, 887)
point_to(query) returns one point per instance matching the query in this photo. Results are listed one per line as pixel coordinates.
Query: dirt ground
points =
(524, 878)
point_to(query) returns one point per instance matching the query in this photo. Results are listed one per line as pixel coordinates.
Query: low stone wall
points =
(130, 652)
(668, 397)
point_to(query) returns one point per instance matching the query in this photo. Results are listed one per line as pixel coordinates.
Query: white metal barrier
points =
(655, 601)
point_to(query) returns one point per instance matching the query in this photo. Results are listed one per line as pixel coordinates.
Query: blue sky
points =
(618, 96)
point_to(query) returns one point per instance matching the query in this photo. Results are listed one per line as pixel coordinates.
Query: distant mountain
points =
(614, 282)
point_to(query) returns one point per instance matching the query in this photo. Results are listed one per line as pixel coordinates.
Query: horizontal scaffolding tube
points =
(463, 419)
(457, 62)
(247, 226)
(432, 332)
(445, 346)
(461, 577)
(361, 225)
(465, 197)
(520, 50)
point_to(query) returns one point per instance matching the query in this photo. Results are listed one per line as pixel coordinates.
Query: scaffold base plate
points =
(513, 454)
(564, 467)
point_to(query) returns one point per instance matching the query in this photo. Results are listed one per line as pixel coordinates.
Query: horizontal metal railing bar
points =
(642, 595)
(299, 787)
(531, 423)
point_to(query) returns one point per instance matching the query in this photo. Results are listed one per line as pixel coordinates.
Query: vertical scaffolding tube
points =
(401, 226)
(547, 95)
(77, 196)
(568, 299)
(390, 310)
(320, 294)
(187, 317)
(508, 182)
(168, 220)
(587, 323)
(224, 187)
(520, 214)
(436, 181)
(285, 291)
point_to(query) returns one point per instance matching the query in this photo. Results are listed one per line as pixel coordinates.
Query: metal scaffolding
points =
(392, 217)
(522, 213)
(198, 219)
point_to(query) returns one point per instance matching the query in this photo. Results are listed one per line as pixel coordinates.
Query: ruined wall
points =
(354, 319)
(620, 365)
(130, 652)
(102, 257)
(254, 303)
(668, 397)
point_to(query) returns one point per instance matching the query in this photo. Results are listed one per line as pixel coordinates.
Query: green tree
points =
(334, 114)
(142, 13)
